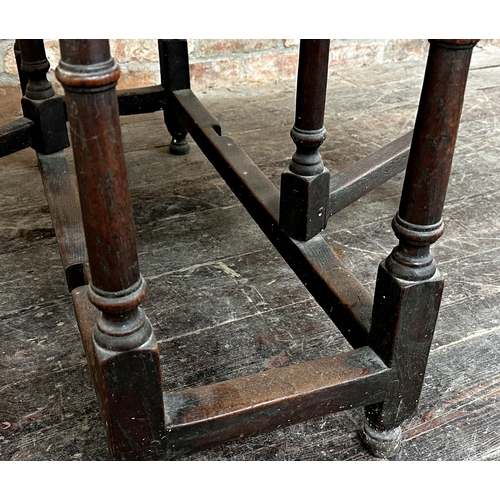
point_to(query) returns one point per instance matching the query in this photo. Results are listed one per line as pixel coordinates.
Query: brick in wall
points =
(221, 62)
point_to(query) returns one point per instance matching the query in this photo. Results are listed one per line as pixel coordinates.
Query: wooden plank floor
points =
(224, 303)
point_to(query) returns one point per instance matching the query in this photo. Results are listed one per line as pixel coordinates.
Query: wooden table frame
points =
(390, 333)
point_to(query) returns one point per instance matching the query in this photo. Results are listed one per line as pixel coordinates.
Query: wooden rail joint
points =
(40, 103)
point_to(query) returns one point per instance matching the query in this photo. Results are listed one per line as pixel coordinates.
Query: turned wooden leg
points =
(128, 380)
(409, 287)
(174, 67)
(23, 79)
(40, 102)
(305, 184)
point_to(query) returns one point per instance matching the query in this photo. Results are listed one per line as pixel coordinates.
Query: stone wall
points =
(224, 62)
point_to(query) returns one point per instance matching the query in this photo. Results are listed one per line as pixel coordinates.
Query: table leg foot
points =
(179, 147)
(381, 443)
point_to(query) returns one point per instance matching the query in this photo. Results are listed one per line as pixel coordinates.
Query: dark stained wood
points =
(274, 398)
(305, 184)
(100, 165)
(44, 124)
(40, 102)
(126, 368)
(127, 377)
(45, 112)
(448, 418)
(338, 292)
(312, 76)
(130, 404)
(33, 68)
(61, 191)
(404, 314)
(174, 72)
(123, 338)
(409, 288)
(16, 136)
(436, 130)
(368, 173)
(23, 78)
(141, 100)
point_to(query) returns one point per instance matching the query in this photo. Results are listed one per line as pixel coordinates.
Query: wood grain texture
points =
(273, 398)
(61, 191)
(127, 361)
(224, 303)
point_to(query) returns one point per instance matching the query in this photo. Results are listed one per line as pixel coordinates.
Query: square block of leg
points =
(404, 318)
(304, 204)
(129, 389)
(51, 134)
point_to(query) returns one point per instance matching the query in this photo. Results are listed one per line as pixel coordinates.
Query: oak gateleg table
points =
(390, 332)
